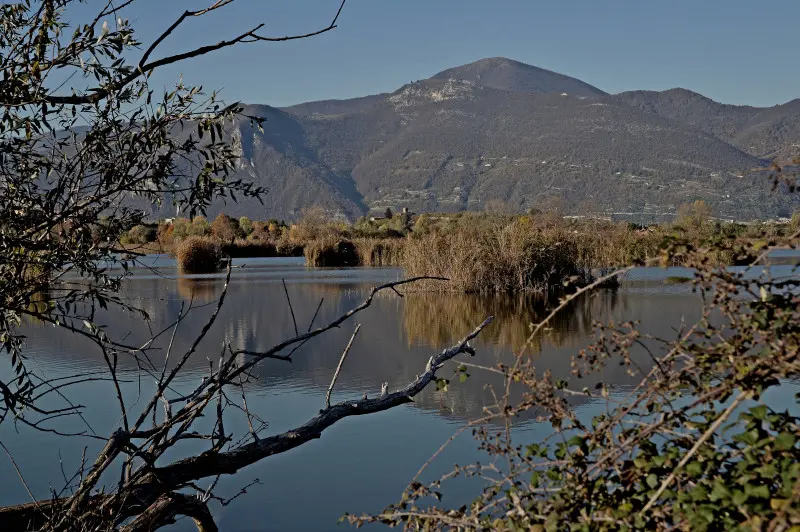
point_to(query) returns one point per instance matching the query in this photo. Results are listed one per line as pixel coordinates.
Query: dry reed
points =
(198, 255)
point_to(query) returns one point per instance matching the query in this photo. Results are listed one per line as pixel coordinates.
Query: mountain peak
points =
(511, 75)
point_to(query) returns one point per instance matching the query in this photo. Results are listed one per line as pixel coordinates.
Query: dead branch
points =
(164, 510)
(339, 367)
(154, 483)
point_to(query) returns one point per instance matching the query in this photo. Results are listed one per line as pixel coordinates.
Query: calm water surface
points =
(363, 463)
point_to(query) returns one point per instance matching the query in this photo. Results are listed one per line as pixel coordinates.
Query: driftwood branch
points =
(229, 462)
(149, 488)
(164, 510)
(339, 367)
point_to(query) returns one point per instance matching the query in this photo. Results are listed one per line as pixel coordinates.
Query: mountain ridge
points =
(500, 130)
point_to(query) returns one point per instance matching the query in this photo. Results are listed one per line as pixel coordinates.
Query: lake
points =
(363, 463)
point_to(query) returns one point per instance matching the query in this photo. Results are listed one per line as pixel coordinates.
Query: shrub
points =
(331, 252)
(310, 224)
(694, 215)
(165, 233)
(246, 225)
(199, 227)
(198, 255)
(285, 247)
(517, 257)
(140, 234)
(225, 228)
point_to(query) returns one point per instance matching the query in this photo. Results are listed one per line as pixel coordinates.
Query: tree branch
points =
(166, 507)
(160, 482)
(97, 94)
(339, 367)
(229, 462)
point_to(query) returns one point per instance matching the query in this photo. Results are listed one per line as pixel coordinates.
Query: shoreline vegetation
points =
(479, 252)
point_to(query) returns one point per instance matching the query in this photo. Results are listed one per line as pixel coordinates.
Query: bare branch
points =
(291, 309)
(251, 35)
(164, 510)
(339, 366)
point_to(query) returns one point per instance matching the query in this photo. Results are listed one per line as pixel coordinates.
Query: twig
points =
(339, 367)
(313, 318)
(706, 435)
(247, 410)
(457, 433)
(19, 474)
(228, 462)
(294, 321)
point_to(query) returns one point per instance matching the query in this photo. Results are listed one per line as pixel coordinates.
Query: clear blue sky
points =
(734, 51)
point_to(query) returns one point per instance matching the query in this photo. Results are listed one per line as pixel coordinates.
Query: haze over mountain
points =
(502, 130)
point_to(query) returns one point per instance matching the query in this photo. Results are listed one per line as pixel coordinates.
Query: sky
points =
(733, 51)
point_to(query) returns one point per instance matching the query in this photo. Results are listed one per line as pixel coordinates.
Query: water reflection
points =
(437, 319)
(199, 289)
(397, 337)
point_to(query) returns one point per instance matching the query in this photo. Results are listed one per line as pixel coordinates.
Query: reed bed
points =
(330, 252)
(380, 251)
(198, 255)
(516, 257)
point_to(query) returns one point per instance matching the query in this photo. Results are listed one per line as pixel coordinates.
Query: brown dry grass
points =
(330, 252)
(380, 251)
(198, 255)
(513, 258)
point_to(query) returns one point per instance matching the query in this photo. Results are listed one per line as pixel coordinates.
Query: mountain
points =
(770, 132)
(498, 129)
(452, 145)
(509, 75)
(335, 107)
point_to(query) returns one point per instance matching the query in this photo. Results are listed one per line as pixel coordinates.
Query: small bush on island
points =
(513, 258)
(198, 255)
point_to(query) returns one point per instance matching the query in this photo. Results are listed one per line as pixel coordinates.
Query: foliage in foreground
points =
(74, 164)
(696, 445)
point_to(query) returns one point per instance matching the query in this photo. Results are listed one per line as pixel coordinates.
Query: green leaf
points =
(575, 440)
(695, 468)
(785, 441)
(761, 491)
(719, 491)
(759, 412)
